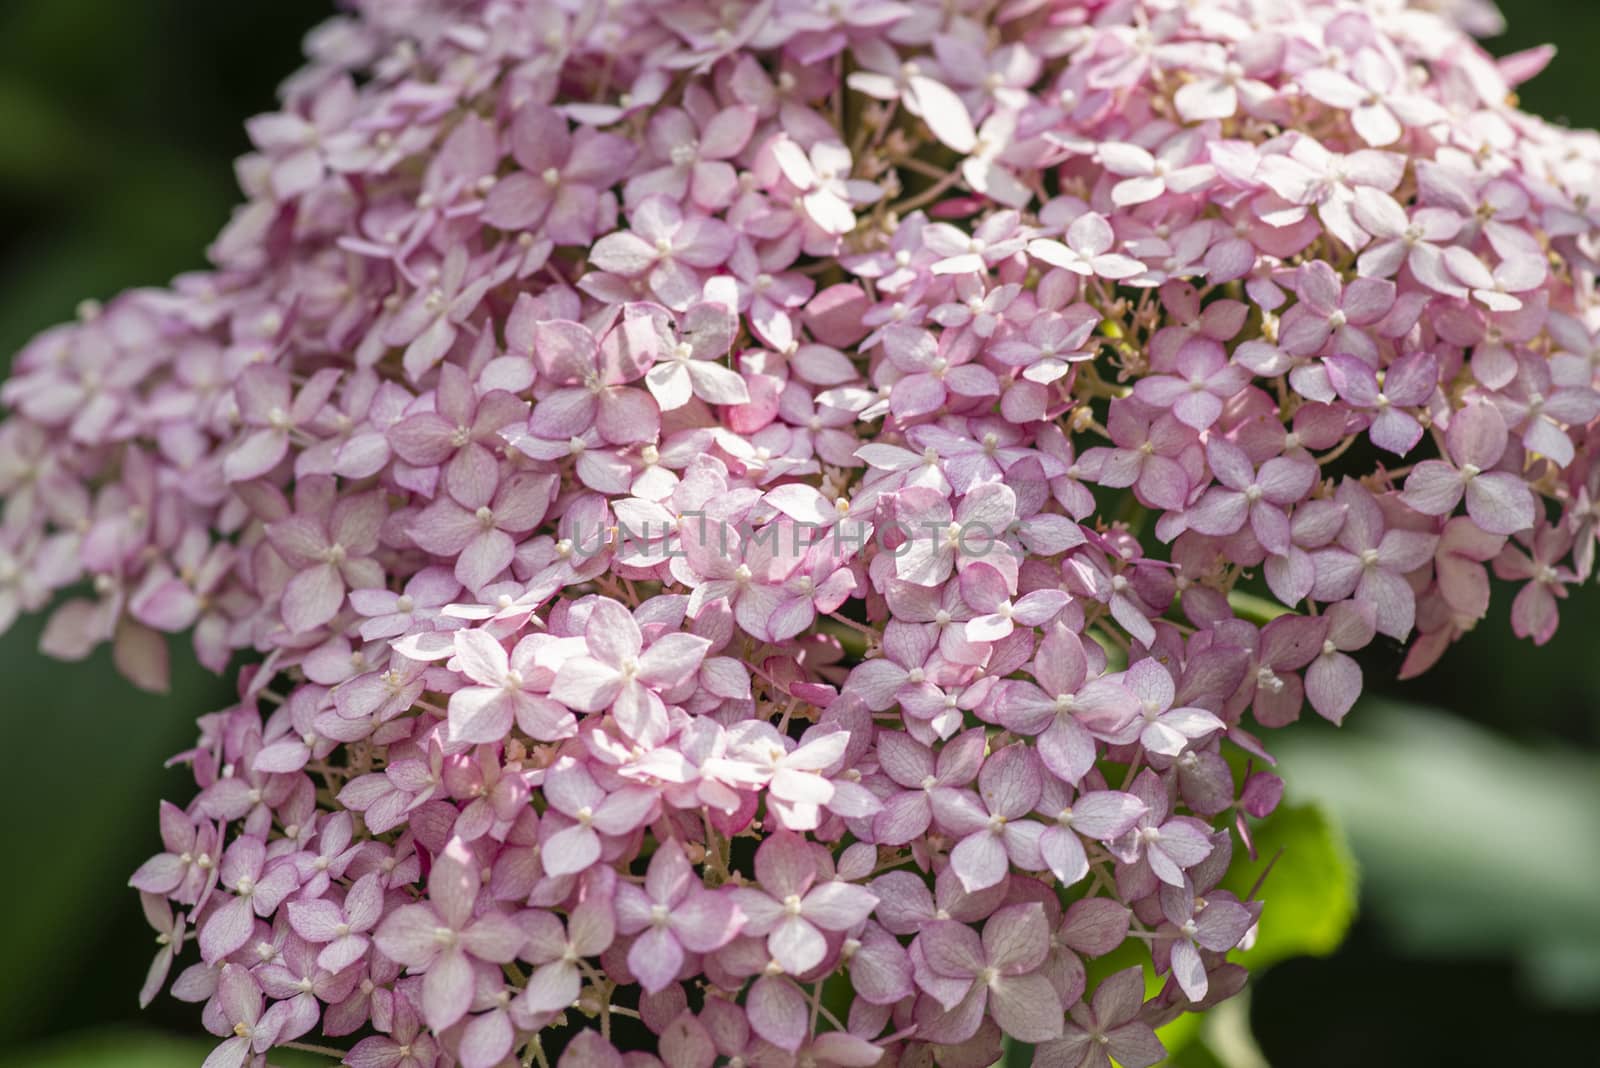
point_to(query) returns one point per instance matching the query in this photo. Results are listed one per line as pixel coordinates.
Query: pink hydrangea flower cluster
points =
(733, 503)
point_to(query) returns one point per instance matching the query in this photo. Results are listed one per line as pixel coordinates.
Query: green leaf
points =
(1309, 893)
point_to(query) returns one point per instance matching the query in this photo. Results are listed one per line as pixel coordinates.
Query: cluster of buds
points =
(769, 529)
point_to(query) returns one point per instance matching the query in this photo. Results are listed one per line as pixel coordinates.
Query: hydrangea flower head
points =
(718, 501)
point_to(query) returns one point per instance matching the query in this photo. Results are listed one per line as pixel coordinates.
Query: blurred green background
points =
(1470, 798)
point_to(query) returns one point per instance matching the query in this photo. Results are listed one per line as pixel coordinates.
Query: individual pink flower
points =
(1101, 815)
(1171, 168)
(238, 999)
(480, 537)
(694, 149)
(1086, 250)
(188, 866)
(562, 176)
(1067, 709)
(1535, 562)
(1406, 383)
(1333, 679)
(666, 248)
(935, 369)
(460, 435)
(1204, 379)
(619, 673)
(1242, 495)
(1153, 452)
(1214, 923)
(1369, 562)
(942, 539)
(673, 914)
(430, 322)
(1328, 312)
(690, 358)
(258, 885)
(556, 948)
(794, 905)
(997, 974)
(1416, 241)
(993, 835)
(443, 936)
(828, 195)
(265, 404)
(907, 813)
(484, 713)
(589, 812)
(331, 552)
(985, 589)
(1167, 844)
(1106, 1026)
(1164, 729)
(593, 376)
(1374, 94)
(1498, 501)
